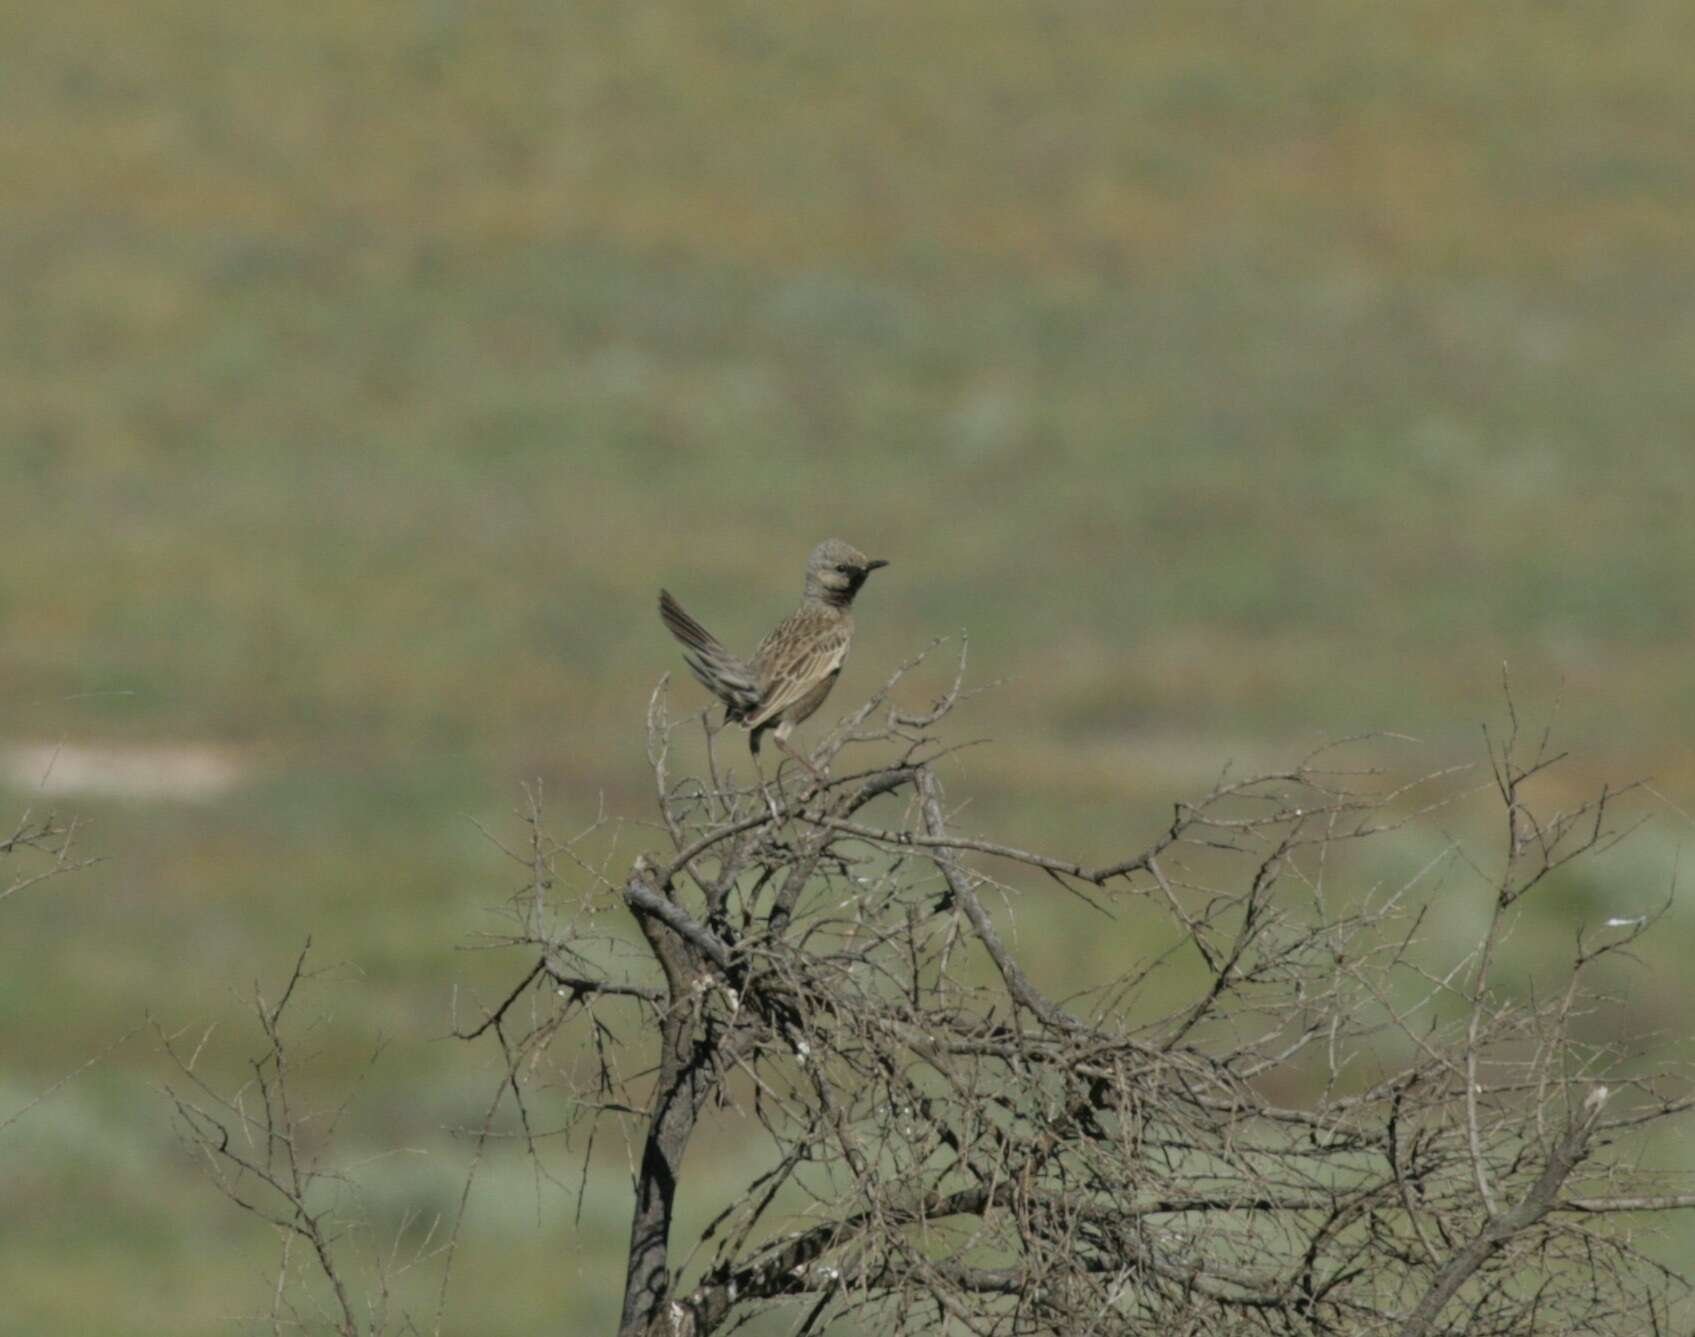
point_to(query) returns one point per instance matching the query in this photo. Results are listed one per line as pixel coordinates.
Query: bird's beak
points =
(874, 563)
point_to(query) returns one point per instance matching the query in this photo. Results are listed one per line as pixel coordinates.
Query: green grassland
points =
(1236, 376)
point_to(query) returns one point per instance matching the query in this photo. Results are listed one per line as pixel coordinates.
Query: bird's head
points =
(836, 570)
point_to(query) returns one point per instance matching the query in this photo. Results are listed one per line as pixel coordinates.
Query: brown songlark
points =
(794, 667)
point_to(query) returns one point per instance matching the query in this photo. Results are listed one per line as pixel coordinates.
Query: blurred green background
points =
(1237, 375)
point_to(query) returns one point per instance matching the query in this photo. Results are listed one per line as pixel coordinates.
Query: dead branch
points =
(1289, 1107)
(947, 1141)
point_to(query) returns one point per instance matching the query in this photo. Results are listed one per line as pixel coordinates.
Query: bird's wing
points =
(722, 673)
(804, 651)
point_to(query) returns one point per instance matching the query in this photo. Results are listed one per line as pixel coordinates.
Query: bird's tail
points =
(725, 676)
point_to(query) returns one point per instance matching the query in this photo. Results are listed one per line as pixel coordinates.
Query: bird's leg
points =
(759, 777)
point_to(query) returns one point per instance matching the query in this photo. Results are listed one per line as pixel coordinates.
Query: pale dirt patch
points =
(194, 772)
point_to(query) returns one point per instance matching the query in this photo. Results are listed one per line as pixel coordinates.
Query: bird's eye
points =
(843, 568)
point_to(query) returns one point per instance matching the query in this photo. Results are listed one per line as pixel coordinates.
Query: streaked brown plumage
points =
(794, 668)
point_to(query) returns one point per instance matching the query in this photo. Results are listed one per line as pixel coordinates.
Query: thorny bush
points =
(1326, 1134)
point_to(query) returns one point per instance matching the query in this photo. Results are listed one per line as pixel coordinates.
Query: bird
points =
(794, 668)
